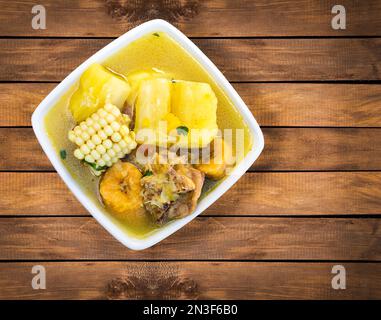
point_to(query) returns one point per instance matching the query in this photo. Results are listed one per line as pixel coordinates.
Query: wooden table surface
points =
(311, 201)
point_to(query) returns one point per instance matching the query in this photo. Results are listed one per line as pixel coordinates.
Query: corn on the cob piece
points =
(103, 138)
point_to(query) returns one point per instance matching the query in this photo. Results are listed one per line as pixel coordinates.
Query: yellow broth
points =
(153, 51)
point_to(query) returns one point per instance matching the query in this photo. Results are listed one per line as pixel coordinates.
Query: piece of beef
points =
(171, 192)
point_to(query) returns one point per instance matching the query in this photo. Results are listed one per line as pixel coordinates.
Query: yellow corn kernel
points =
(103, 138)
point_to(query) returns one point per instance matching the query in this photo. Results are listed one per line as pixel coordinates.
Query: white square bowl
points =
(101, 216)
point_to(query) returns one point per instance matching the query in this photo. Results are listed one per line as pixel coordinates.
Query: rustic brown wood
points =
(285, 149)
(239, 59)
(273, 104)
(194, 17)
(276, 215)
(204, 238)
(303, 193)
(319, 105)
(19, 100)
(190, 280)
(320, 149)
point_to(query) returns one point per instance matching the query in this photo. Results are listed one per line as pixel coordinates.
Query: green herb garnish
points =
(148, 173)
(182, 130)
(156, 34)
(63, 154)
(94, 166)
(173, 80)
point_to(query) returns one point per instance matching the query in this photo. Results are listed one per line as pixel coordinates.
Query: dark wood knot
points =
(137, 287)
(142, 10)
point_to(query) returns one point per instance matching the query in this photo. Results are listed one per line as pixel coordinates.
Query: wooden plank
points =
(273, 104)
(239, 59)
(19, 100)
(189, 280)
(319, 105)
(292, 149)
(195, 18)
(68, 238)
(303, 193)
(320, 149)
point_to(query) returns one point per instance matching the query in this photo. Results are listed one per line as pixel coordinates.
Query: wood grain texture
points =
(194, 17)
(303, 193)
(272, 104)
(239, 59)
(320, 149)
(292, 149)
(190, 280)
(268, 236)
(234, 238)
(319, 105)
(19, 100)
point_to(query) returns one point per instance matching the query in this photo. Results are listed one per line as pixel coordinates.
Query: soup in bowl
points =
(148, 134)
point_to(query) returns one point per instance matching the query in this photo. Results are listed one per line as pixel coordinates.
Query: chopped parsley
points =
(63, 154)
(182, 130)
(148, 173)
(94, 166)
(156, 34)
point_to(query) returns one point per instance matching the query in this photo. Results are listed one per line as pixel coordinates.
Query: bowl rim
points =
(157, 25)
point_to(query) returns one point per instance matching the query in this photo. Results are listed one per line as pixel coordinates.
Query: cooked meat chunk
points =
(148, 158)
(182, 182)
(171, 192)
(187, 203)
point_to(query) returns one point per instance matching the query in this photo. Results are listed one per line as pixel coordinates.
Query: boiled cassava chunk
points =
(152, 105)
(97, 87)
(172, 122)
(135, 78)
(195, 105)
